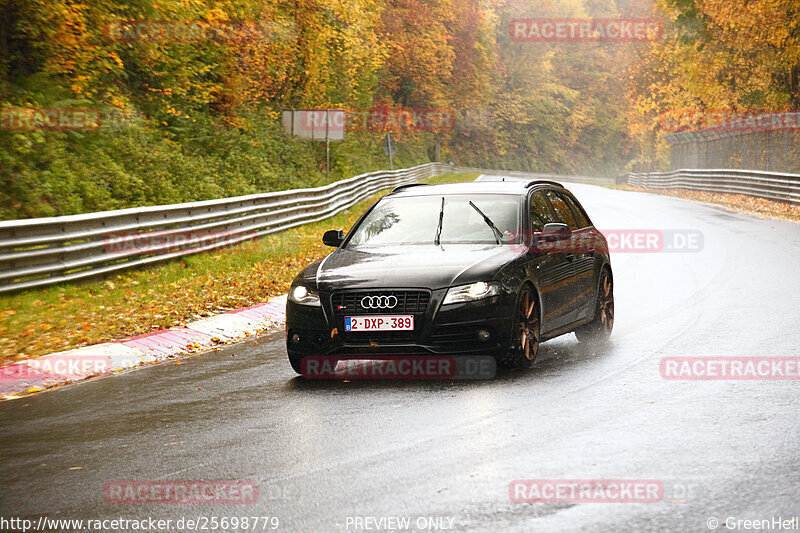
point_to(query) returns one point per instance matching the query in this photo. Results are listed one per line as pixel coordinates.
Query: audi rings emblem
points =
(379, 302)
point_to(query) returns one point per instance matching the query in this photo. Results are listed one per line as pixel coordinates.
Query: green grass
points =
(136, 301)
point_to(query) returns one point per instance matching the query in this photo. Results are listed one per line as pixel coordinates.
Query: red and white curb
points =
(53, 369)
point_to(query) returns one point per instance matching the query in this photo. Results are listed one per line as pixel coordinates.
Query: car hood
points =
(427, 266)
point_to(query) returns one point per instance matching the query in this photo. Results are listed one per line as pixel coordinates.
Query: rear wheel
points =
(526, 333)
(599, 329)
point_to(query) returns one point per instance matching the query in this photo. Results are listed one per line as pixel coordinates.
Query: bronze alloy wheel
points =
(528, 325)
(527, 336)
(605, 303)
(599, 329)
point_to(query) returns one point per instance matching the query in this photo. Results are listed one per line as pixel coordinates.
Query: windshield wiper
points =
(439, 227)
(497, 233)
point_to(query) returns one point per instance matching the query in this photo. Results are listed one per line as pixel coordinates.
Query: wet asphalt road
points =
(325, 451)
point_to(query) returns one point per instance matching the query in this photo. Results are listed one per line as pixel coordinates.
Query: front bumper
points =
(439, 330)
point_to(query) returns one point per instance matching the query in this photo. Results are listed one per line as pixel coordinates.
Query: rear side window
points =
(563, 212)
(540, 212)
(580, 216)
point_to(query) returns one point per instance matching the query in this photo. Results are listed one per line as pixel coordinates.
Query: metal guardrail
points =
(44, 251)
(769, 185)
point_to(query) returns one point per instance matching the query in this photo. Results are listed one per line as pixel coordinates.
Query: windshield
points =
(415, 220)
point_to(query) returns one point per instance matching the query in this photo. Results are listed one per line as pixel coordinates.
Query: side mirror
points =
(556, 231)
(333, 237)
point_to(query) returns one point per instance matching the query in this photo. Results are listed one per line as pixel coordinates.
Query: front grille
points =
(408, 302)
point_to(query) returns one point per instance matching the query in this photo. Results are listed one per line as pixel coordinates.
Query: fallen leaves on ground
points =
(142, 301)
(738, 202)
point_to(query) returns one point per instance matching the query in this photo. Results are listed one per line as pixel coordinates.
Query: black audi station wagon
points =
(484, 267)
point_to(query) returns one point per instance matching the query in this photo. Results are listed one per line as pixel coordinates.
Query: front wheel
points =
(526, 335)
(599, 329)
(296, 361)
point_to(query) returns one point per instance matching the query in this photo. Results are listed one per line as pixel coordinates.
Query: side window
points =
(540, 212)
(580, 216)
(563, 212)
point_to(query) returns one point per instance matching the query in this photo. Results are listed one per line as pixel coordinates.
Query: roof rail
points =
(406, 186)
(543, 182)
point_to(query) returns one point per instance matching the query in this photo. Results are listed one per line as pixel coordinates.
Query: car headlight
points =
(470, 293)
(301, 294)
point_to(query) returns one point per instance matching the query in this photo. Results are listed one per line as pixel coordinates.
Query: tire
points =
(526, 332)
(599, 329)
(295, 361)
